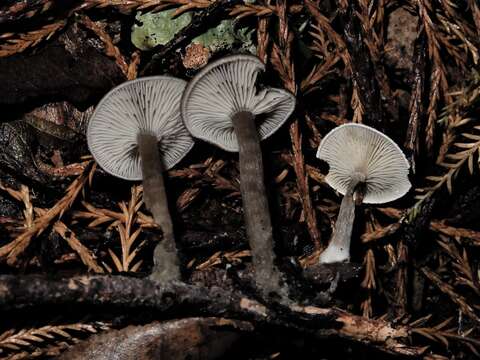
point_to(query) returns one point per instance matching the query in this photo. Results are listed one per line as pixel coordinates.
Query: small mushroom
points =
(365, 165)
(125, 133)
(223, 106)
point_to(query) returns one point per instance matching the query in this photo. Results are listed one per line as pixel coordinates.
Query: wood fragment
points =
(20, 292)
(191, 338)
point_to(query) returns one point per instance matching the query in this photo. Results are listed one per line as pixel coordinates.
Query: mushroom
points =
(223, 106)
(125, 133)
(365, 165)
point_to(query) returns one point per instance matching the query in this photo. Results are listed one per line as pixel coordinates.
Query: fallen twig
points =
(20, 292)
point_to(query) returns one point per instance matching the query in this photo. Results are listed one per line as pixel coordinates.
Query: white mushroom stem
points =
(165, 258)
(339, 247)
(255, 203)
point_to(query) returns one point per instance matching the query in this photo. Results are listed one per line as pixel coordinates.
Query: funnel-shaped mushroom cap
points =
(149, 105)
(228, 86)
(354, 148)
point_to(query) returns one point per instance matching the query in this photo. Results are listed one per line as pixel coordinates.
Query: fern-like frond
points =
(444, 333)
(128, 235)
(12, 250)
(127, 7)
(12, 43)
(466, 152)
(48, 340)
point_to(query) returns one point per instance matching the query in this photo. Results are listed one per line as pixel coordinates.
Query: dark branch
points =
(20, 292)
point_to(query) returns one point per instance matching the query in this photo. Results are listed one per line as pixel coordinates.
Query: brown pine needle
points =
(468, 147)
(11, 43)
(472, 236)
(128, 6)
(128, 235)
(132, 71)
(11, 251)
(83, 252)
(110, 49)
(263, 37)
(450, 292)
(380, 233)
(241, 11)
(49, 340)
(303, 185)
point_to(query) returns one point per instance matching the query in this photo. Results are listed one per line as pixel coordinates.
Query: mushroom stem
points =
(255, 203)
(165, 259)
(339, 247)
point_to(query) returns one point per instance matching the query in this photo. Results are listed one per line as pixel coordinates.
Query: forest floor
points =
(410, 69)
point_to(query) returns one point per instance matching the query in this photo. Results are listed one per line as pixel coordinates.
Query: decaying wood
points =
(192, 338)
(21, 292)
(326, 273)
(68, 68)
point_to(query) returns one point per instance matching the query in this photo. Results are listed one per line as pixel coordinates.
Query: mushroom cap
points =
(354, 149)
(149, 105)
(225, 87)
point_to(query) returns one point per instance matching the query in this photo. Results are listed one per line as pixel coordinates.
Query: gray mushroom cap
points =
(225, 87)
(353, 149)
(149, 105)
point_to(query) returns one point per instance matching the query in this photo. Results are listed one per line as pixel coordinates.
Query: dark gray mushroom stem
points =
(255, 203)
(166, 263)
(225, 92)
(341, 238)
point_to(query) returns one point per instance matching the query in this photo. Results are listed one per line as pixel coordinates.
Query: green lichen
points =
(224, 36)
(159, 28)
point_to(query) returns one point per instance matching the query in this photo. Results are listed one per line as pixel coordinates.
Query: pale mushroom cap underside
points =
(355, 148)
(225, 87)
(148, 105)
